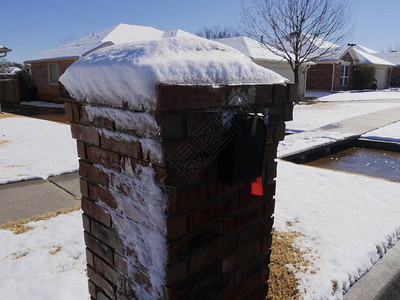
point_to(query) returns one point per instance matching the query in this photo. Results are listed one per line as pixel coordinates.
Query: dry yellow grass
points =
(3, 142)
(4, 115)
(282, 282)
(19, 227)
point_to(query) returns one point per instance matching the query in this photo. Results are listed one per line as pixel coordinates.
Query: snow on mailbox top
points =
(127, 74)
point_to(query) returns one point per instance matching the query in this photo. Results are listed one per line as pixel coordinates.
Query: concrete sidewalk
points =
(365, 123)
(26, 199)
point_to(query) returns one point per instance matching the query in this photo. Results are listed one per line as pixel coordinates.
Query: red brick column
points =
(158, 223)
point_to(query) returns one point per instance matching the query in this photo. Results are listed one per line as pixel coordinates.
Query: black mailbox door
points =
(242, 160)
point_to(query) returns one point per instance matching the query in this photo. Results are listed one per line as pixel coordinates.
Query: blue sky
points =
(33, 26)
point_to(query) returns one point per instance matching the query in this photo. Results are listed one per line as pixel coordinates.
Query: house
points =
(334, 72)
(394, 73)
(4, 51)
(48, 66)
(266, 58)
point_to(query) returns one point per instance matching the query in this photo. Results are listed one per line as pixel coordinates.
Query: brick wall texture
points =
(40, 77)
(218, 237)
(319, 77)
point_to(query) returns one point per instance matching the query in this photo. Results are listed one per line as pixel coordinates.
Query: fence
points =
(10, 90)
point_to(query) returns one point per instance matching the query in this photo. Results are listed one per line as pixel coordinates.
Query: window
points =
(53, 74)
(344, 74)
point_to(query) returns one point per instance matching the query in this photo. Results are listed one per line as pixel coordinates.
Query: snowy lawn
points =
(347, 222)
(32, 148)
(389, 133)
(300, 142)
(45, 263)
(313, 116)
(389, 94)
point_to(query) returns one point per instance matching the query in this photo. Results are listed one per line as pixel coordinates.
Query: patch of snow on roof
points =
(126, 33)
(367, 58)
(393, 57)
(250, 48)
(127, 74)
(365, 49)
(178, 33)
(122, 33)
(75, 49)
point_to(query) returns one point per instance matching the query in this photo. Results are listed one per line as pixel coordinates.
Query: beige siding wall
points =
(40, 76)
(283, 68)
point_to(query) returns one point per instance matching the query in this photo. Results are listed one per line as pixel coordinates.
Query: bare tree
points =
(217, 32)
(297, 30)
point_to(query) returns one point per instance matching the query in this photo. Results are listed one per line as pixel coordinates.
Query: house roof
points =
(250, 48)
(364, 49)
(122, 33)
(361, 55)
(393, 57)
(370, 58)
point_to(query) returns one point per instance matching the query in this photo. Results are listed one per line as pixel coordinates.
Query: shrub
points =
(364, 77)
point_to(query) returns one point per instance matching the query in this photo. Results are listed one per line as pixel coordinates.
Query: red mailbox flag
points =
(256, 188)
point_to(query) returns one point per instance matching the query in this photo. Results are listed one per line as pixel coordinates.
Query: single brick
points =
(120, 264)
(84, 187)
(99, 248)
(86, 222)
(68, 111)
(97, 193)
(107, 236)
(92, 173)
(75, 111)
(96, 212)
(85, 133)
(89, 258)
(81, 149)
(104, 157)
(92, 289)
(129, 148)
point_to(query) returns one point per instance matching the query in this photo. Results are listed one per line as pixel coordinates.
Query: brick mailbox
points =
(158, 223)
(170, 141)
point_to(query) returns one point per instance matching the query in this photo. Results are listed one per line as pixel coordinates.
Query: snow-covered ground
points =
(313, 116)
(32, 148)
(300, 142)
(367, 95)
(347, 221)
(45, 263)
(389, 133)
